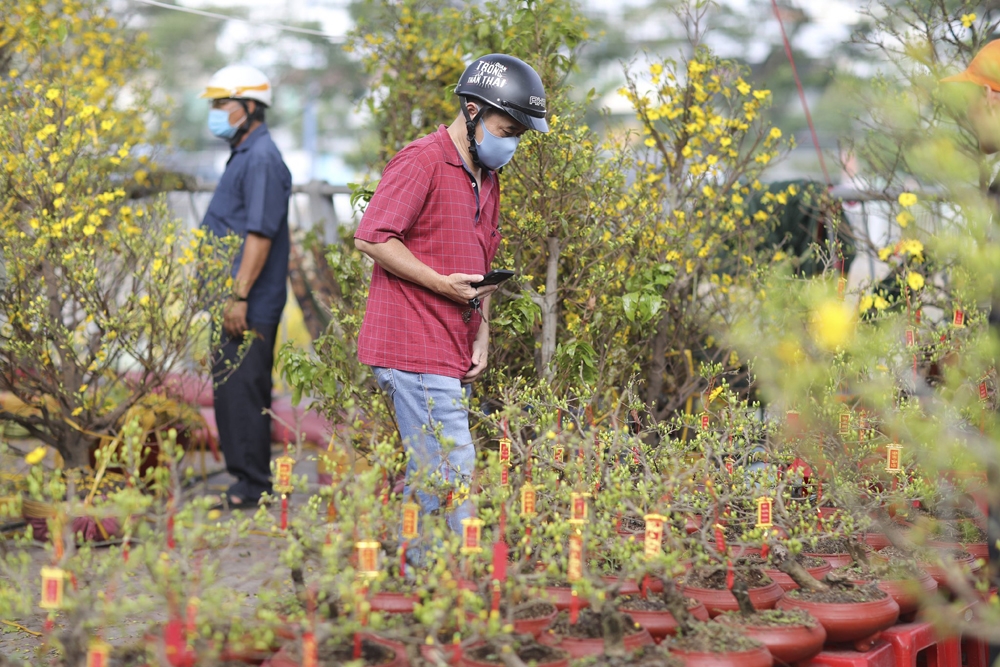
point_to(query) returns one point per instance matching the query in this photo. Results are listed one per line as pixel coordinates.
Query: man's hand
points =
(480, 353)
(234, 318)
(458, 287)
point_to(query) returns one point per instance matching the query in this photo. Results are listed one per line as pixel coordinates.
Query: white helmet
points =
(239, 82)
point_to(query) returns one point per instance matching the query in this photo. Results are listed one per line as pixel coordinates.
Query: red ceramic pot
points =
(788, 643)
(758, 657)
(786, 583)
(581, 648)
(393, 603)
(469, 662)
(628, 587)
(398, 647)
(452, 654)
(858, 622)
(534, 626)
(876, 541)
(692, 524)
(562, 597)
(938, 572)
(717, 601)
(835, 560)
(661, 624)
(977, 549)
(906, 592)
(283, 659)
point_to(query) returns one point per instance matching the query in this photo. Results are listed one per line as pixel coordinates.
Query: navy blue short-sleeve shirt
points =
(252, 196)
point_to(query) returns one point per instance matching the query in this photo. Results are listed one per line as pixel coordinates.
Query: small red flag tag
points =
(958, 320)
(500, 560)
(97, 653)
(730, 575)
(720, 538)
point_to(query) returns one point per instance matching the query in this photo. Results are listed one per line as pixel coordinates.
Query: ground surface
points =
(251, 561)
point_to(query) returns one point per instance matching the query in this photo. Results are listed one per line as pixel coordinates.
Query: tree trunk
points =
(800, 575)
(677, 604)
(742, 594)
(550, 309)
(658, 363)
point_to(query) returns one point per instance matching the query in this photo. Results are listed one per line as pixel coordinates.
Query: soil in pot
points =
(833, 549)
(791, 635)
(645, 656)
(709, 586)
(334, 653)
(849, 614)
(529, 652)
(586, 636)
(716, 645)
(902, 580)
(531, 618)
(653, 614)
(815, 565)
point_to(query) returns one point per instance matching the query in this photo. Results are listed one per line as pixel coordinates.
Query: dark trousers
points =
(241, 394)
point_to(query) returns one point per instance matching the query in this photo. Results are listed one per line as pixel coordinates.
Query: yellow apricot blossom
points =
(831, 325)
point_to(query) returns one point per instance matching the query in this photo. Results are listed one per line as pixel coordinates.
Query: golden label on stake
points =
(911, 338)
(53, 583)
(959, 319)
(557, 453)
(845, 422)
(983, 390)
(411, 520)
(283, 474)
(472, 529)
(653, 544)
(528, 497)
(574, 572)
(765, 510)
(367, 557)
(505, 451)
(892, 458)
(97, 653)
(704, 422)
(578, 508)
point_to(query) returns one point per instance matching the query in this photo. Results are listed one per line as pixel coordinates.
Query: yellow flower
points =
(715, 393)
(880, 303)
(58, 188)
(832, 325)
(650, 141)
(743, 87)
(88, 230)
(867, 301)
(914, 280)
(904, 218)
(656, 69)
(35, 455)
(778, 256)
(52, 94)
(884, 253)
(775, 133)
(968, 20)
(907, 199)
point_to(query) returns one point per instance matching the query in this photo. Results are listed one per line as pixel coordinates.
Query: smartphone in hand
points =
(494, 277)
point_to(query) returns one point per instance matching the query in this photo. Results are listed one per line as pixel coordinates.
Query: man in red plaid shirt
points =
(431, 228)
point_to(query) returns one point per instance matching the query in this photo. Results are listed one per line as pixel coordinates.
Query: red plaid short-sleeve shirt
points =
(427, 199)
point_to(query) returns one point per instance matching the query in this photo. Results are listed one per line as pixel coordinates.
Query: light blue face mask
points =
(493, 151)
(218, 124)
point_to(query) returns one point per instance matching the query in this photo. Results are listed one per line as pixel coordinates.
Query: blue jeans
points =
(434, 427)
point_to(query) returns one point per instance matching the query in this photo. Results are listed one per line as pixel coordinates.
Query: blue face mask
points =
(493, 151)
(218, 124)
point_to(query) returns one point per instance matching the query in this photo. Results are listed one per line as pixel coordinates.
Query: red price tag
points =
(411, 520)
(959, 319)
(504, 451)
(765, 508)
(528, 497)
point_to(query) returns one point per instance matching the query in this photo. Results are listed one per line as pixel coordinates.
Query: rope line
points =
(225, 17)
(802, 95)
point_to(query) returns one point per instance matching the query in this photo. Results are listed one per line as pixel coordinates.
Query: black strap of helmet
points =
(470, 126)
(244, 126)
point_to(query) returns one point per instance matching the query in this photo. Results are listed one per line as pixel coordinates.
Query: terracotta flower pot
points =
(470, 662)
(786, 583)
(938, 571)
(562, 597)
(398, 647)
(758, 657)
(977, 549)
(661, 624)
(835, 560)
(393, 603)
(628, 587)
(718, 601)
(857, 622)
(906, 592)
(534, 626)
(788, 643)
(581, 648)
(284, 659)
(876, 540)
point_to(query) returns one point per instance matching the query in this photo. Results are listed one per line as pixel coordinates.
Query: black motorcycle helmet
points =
(505, 83)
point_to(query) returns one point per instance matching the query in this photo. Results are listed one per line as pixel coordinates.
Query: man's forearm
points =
(255, 251)
(397, 259)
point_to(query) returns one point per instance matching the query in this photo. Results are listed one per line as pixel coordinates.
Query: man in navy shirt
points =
(250, 201)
